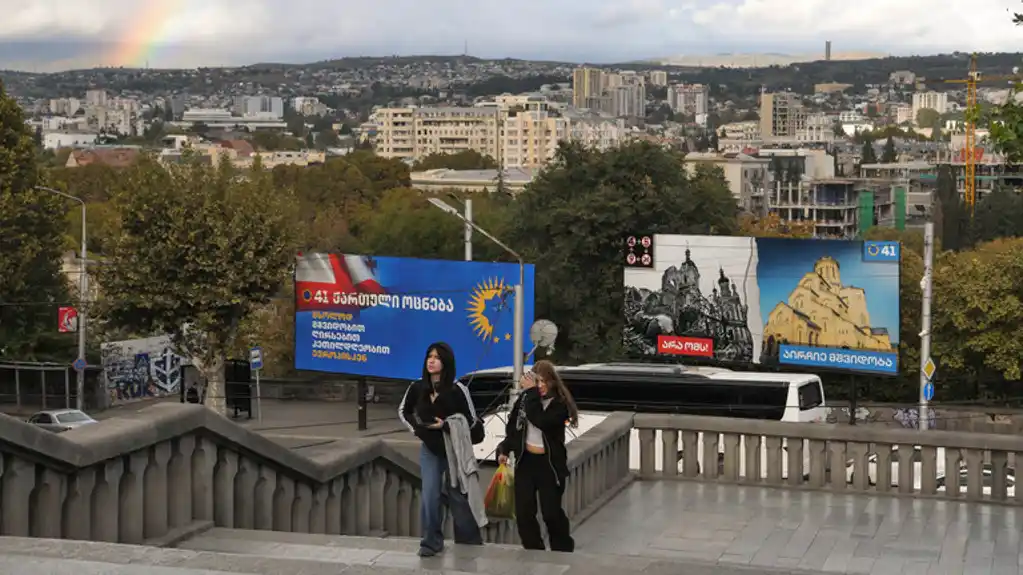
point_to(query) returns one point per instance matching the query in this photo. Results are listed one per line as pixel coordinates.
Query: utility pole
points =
(83, 288)
(925, 333)
(468, 229)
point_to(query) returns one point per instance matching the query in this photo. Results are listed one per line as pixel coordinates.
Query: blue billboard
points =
(829, 304)
(375, 316)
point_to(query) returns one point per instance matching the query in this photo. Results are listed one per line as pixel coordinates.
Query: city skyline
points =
(189, 33)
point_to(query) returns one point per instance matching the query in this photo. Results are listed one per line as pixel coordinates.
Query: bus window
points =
(810, 396)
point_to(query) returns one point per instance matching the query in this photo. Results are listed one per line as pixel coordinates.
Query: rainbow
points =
(145, 33)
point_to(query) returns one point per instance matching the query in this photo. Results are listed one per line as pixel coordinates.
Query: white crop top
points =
(534, 437)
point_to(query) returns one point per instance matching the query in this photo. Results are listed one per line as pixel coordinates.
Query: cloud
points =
(230, 32)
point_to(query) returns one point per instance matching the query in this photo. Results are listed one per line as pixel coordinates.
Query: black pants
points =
(535, 479)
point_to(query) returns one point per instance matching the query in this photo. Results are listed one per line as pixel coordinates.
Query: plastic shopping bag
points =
(500, 498)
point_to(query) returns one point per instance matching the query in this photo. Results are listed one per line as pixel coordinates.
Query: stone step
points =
(400, 553)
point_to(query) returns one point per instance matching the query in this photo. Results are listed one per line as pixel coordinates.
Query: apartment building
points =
(452, 130)
(658, 78)
(586, 83)
(691, 99)
(782, 117)
(395, 133)
(746, 175)
(309, 106)
(937, 101)
(531, 138)
(819, 128)
(903, 114)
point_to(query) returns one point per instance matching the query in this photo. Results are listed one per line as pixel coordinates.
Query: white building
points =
(937, 101)
(266, 106)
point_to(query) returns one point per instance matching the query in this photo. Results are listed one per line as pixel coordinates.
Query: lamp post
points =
(520, 310)
(83, 288)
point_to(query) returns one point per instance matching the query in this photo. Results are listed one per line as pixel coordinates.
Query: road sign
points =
(79, 364)
(929, 369)
(256, 358)
(928, 391)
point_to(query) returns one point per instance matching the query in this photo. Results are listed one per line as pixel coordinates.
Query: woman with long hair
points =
(535, 433)
(428, 402)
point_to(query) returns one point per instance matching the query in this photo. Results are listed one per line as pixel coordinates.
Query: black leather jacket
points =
(550, 421)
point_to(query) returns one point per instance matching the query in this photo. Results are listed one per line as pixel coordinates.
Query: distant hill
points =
(757, 60)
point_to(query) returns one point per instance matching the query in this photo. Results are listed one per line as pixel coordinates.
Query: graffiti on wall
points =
(141, 368)
(909, 418)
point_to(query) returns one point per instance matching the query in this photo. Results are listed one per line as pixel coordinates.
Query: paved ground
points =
(267, 553)
(816, 531)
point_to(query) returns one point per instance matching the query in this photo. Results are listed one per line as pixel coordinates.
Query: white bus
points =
(658, 388)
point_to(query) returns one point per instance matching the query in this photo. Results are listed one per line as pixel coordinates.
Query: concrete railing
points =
(838, 458)
(171, 470)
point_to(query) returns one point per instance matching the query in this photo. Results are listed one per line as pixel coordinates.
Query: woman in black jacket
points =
(427, 403)
(535, 433)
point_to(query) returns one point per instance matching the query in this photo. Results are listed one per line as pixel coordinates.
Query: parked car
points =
(60, 420)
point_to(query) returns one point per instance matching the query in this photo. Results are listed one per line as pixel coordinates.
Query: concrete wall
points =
(169, 470)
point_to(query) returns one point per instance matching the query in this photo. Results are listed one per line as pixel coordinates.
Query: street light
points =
(83, 288)
(520, 310)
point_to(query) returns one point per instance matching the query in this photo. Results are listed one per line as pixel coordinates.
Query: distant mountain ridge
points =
(758, 60)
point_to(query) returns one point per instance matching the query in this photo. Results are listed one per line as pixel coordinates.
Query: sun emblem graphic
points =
(482, 297)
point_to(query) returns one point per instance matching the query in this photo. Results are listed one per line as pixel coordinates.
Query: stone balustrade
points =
(170, 470)
(838, 458)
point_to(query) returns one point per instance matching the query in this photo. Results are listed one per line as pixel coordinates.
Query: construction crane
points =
(969, 150)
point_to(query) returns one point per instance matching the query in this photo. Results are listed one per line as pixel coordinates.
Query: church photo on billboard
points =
(831, 304)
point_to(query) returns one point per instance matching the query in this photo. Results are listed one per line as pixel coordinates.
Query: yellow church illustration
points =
(822, 312)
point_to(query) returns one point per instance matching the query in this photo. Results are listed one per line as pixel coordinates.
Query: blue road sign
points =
(256, 358)
(929, 391)
(79, 364)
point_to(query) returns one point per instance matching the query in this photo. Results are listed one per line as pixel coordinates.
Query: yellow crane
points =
(969, 150)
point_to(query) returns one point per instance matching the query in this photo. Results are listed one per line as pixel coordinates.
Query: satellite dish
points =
(543, 333)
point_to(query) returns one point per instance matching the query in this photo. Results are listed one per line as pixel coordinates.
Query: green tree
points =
(978, 310)
(385, 173)
(200, 250)
(404, 224)
(772, 226)
(952, 214)
(867, 154)
(572, 219)
(32, 225)
(998, 214)
(889, 155)
(327, 139)
(467, 160)
(927, 117)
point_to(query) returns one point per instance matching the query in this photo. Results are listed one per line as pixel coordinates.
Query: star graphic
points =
(507, 336)
(496, 340)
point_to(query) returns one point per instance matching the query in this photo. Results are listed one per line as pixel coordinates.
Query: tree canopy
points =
(571, 220)
(32, 227)
(200, 249)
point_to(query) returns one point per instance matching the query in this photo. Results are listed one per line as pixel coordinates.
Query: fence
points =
(32, 386)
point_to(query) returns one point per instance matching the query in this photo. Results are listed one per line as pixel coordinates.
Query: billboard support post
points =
(925, 333)
(362, 391)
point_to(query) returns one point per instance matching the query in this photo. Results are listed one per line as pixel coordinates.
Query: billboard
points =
(375, 316)
(830, 304)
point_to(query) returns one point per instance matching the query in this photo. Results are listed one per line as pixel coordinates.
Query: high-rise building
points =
(827, 50)
(689, 99)
(782, 116)
(936, 101)
(658, 78)
(586, 83)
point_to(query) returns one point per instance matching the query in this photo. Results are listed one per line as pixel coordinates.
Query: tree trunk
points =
(213, 373)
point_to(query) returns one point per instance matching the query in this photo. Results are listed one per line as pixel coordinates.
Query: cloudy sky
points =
(46, 35)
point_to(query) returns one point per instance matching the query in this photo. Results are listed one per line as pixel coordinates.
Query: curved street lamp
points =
(83, 288)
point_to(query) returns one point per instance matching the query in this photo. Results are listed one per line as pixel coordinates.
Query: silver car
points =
(60, 420)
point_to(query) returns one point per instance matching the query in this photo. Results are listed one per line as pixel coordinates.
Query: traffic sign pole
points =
(926, 364)
(256, 363)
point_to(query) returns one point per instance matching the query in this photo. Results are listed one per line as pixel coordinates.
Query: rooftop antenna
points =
(465, 50)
